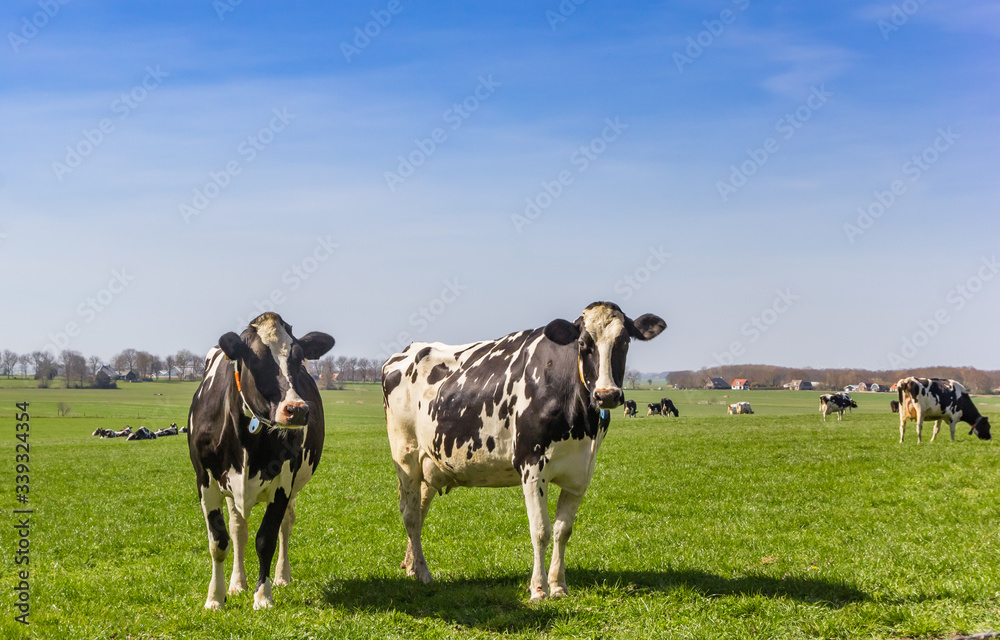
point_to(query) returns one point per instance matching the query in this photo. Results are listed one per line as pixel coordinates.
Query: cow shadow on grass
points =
(499, 603)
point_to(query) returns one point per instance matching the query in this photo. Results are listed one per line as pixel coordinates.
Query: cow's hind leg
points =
(218, 543)
(937, 427)
(412, 501)
(266, 542)
(565, 515)
(537, 503)
(283, 571)
(241, 532)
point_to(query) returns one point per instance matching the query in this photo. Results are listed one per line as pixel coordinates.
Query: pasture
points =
(773, 525)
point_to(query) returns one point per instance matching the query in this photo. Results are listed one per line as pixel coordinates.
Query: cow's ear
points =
(645, 327)
(316, 344)
(562, 332)
(233, 346)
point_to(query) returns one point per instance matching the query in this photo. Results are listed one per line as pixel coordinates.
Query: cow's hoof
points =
(282, 582)
(237, 588)
(558, 591)
(213, 605)
(262, 597)
(538, 594)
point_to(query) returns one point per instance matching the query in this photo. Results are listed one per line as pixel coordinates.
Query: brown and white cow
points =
(256, 435)
(938, 399)
(740, 408)
(529, 409)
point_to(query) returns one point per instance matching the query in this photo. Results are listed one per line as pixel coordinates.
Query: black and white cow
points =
(655, 409)
(142, 434)
(169, 431)
(529, 409)
(256, 435)
(667, 407)
(99, 431)
(939, 399)
(894, 406)
(124, 433)
(740, 408)
(836, 403)
(630, 408)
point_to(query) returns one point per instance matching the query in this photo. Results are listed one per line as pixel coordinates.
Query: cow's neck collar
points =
(601, 413)
(255, 420)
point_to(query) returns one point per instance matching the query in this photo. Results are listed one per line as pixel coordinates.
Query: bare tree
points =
(73, 365)
(632, 377)
(125, 361)
(143, 363)
(8, 361)
(184, 359)
(95, 364)
(44, 367)
(24, 360)
(170, 362)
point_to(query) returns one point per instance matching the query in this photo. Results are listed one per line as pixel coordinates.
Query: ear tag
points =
(254, 425)
(604, 414)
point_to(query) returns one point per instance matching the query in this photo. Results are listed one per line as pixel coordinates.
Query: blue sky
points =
(699, 160)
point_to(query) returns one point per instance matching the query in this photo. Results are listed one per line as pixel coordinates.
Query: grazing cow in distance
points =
(256, 435)
(528, 409)
(835, 403)
(630, 408)
(740, 408)
(894, 406)
(142, 434)
(667, 407)
(655, 409)
(938, 399)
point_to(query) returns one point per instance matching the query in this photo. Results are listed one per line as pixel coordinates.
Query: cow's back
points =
(452, 409)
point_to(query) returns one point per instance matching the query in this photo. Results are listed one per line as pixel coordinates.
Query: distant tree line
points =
(334, 371)
(79, 371)
(772, 377)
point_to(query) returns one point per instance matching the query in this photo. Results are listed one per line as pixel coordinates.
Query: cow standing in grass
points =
(256, 435)
(740, 408)
(938, 399)
(667, 407)
(836, 403)
(630, 408)
(529, 409)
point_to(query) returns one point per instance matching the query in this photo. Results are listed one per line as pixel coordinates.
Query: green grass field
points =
(774, 525)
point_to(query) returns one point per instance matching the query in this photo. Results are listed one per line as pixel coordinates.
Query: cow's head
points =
(602, 334)
(854, 405)
(981, 428)
(271, 361)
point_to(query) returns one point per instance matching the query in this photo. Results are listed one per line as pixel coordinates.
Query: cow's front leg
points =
(902, 425)
(241, 532)
(267, 540)
(283, 572)
(937, 427)
(565, 515)
(952, 425)
(536, 500)
(218, 542)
